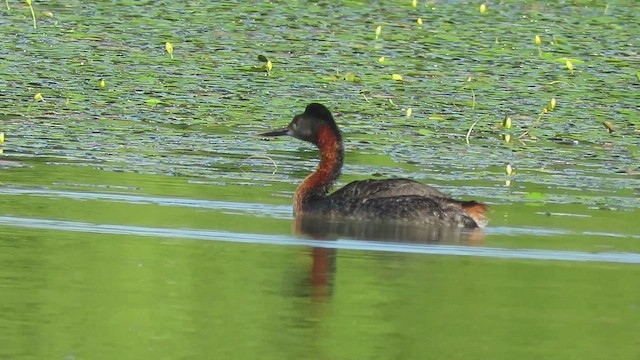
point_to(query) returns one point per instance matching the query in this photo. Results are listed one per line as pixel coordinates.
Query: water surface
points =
(145, 219)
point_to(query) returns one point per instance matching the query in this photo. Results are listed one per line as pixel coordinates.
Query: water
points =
(146, 220)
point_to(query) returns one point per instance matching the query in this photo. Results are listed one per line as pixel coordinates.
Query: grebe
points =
(400, 200)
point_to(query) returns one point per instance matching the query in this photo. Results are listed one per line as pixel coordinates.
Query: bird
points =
(396, 200)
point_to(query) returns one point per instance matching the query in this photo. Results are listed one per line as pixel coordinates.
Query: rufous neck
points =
(317, 185)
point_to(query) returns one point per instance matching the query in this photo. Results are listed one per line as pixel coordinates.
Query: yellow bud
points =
(169, 47)
(609, 126)
(509, 170)
(47, 13)
(506, 123)
(545, 110)
(38, 97)
(408, 112)
(1, 137)
(507, 138)
(569, 65)
(414, 3)
(483, 8)
(552, 104)
(420, 21)
(28, 2)
(381, 59)
(102, 83)
(396, 77)
(537, 40)
(378, 31)
(268, 66)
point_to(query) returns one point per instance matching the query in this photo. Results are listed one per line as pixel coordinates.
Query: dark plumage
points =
(397, 200)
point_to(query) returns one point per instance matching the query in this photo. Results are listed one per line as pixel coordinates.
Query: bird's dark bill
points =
(280, 132)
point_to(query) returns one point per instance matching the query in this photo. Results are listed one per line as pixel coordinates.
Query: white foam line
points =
(456, 250)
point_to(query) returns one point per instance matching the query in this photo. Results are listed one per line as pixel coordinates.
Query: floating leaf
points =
(535, 195)
(47, 13)
(153, 101)
(396, 77)
(262, 58)
(351, 77)
(425, 132)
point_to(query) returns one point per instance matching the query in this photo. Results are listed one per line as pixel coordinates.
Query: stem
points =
(532, 126)
(466, 138)
(33, 15)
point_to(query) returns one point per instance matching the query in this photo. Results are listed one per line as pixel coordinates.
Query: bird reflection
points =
(330, 228)
(323, 260)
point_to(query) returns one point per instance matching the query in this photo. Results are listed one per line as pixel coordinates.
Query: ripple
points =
(210, 235)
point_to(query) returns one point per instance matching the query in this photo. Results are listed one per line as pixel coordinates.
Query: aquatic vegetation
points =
(453, 81)
(569, 66)
(538, 42)
(267, 64)
(33, 14)
(550, 107)
(169, 48)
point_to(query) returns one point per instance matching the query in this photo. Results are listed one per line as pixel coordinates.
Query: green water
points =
(144, 219)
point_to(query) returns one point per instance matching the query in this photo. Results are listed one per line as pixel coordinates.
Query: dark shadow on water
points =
(323, 260)
(331, 229)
